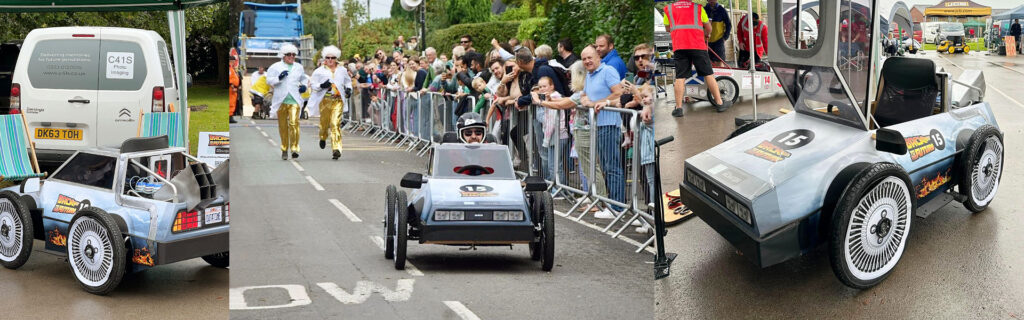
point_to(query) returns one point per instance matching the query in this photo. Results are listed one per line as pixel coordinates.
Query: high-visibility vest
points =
(685, 26)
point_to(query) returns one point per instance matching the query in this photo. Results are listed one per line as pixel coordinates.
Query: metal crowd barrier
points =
(572, 181)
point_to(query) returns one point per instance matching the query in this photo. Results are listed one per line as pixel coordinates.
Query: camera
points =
(508, 69)
(542, 96)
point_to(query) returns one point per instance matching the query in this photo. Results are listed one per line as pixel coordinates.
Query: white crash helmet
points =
(470, 120)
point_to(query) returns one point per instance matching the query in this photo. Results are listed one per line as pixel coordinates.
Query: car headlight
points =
(696, 180)
(508, 216)
(738, 209)
(444, 215)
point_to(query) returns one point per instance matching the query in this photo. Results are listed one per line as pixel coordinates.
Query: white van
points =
(83, 87)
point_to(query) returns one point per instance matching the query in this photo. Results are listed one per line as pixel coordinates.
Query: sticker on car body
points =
(476, 190)
(929, 185)
(775, 150)
(68, 205)
(920, 146)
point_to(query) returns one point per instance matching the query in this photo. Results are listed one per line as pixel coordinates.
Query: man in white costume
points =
(331, 86)
(288, 80)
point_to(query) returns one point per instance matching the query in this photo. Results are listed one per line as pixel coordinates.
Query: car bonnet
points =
(461, 193)
(769, 155)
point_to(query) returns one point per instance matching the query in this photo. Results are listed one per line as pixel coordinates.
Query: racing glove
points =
(302, 88)
(283, 74)
(326, 84)
(348, 92)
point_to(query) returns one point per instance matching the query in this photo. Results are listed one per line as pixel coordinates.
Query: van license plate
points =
(213, 215)
(58, 134)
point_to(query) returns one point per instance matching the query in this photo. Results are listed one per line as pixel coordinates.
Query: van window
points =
(123, 66)
(64, 64)
(89, 169)
(165, 64)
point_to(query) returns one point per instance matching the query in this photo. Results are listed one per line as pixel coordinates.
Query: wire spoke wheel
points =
(12, 230)
(90, 252)
(876, 233)
(986, 172)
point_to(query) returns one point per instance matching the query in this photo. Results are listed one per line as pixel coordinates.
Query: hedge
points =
(533, 28)
(445, 39)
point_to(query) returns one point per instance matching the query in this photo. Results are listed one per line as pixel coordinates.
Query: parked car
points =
(84, 87)
(8, 58)
(951, 31)
(116, 211)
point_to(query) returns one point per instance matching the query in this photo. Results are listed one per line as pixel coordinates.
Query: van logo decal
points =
(125, 115)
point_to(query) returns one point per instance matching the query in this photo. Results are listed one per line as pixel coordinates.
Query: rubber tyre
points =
(17, 237)
(219, 260)
(390, 196)
(401, 234)
(95, 224)
(746, 127)
(984, 148)
(547, 233)
(952, 49)
(536, 214)
(729, 86)
(870, 189)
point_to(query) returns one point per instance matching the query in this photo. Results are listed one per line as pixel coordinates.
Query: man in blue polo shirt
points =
(601, 88)
(609, 56)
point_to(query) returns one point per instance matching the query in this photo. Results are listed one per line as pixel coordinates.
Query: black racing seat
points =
(452, 137)
(909, 91)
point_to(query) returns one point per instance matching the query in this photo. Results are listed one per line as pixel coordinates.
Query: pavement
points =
(957, 265)
(190, 289)
(309, 246)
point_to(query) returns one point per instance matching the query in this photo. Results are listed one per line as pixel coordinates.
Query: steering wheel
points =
(474, 170)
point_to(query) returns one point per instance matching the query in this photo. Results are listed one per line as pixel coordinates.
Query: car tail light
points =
(83, 35)
(185, 221)
(696, 180)
(15, 98)
(158, 99)
(738, 209)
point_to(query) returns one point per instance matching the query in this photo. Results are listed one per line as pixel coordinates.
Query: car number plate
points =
(58, 134)
(214, 215)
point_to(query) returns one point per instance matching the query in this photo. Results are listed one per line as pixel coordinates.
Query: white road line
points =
(412, 270)
(599, 229)
(378, 241)
(461, 310)
(253, 122)
(264, 133)
(1018, 103)
(271, 142)
(409, 268)
(348, 213)
(316, 185)
(297, 166)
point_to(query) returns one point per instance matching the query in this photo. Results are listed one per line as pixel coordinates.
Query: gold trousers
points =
(288, 126)
(330, 120)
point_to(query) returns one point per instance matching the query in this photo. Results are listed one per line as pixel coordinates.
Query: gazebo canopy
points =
(175, 22)
(1015, 13)
(958, 8)
(100, 5)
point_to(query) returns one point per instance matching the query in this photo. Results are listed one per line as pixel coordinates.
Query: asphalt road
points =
(308, 246)
(957, 265)
(45, 288)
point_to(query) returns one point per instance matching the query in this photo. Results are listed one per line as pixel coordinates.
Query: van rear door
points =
(59, 99)
(124, 85)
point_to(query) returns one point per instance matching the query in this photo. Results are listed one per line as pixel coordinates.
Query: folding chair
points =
(163, 123)
(17, 152)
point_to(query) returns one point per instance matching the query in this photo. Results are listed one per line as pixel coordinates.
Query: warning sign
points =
(120, 65)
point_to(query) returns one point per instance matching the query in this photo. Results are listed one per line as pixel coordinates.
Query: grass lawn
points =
(975, 46)
(214, 118)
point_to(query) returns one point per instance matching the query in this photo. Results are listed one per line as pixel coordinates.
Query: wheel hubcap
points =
(985, 176)
(10, 231)
(90, 252)
(876, 234)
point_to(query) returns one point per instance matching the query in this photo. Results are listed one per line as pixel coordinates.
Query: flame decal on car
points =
(56, 238)
(143, 257)
(928, 186)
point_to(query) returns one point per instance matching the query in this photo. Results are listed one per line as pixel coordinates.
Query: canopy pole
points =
(753, 51)
(176, 24)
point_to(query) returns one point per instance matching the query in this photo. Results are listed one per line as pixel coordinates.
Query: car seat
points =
(909, 91)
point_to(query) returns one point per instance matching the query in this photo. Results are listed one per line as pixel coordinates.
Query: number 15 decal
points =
(793, 139)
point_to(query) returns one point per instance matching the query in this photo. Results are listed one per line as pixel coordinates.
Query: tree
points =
(467, 11)
(319, 20)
